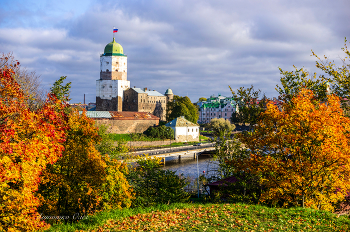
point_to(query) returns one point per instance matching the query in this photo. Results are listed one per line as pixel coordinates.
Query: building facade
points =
(216, 107)
(144, 100)
(184, 130)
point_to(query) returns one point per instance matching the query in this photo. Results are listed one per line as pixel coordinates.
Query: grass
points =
(132, 137)
(210, 217)
(141, 137)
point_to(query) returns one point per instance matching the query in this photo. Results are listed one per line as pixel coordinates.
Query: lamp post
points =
(197, 175)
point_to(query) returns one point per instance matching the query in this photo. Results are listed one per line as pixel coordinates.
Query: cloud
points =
(195, 47)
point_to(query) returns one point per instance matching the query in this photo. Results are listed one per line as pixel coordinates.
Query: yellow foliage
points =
(301, 152)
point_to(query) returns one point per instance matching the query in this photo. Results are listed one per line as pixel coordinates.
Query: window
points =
(110, 86)
(107, 62)
(192, 130)
(116, 62)
(116, 70)
(107, 70)
(188, 130)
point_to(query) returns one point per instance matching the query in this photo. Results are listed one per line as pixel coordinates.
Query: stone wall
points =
(108, 75)
(186, 138)
(115, 104)
(126, 126)
(148, 143)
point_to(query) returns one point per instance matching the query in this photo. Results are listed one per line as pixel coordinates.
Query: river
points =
(188, 166)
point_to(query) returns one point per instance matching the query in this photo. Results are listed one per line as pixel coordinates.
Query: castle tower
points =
(169, 95)
(113, 78)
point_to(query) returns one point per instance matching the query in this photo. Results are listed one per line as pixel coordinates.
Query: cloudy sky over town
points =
(195, 47)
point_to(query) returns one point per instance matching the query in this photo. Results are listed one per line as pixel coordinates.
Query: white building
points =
(185, 131)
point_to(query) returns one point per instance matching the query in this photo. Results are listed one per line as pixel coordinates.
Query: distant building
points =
(113, 78)
(185, 131)
(143, 100)
(113, 92)
(216, 107)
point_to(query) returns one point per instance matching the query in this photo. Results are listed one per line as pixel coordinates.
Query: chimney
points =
(145, 89)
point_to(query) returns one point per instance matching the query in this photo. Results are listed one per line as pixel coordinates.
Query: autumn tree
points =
(29, 140)
(29, 82)
(300, 152)
(182, 106)
(83, 180)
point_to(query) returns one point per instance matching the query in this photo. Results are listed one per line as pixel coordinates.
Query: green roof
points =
(113, 49)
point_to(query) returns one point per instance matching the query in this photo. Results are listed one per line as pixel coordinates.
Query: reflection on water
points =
(188, 165)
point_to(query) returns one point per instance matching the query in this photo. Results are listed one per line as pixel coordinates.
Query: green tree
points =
(201, 99)
(154, 186)
(293, 81)
(161, 132)
(221, 127)
(61, 91)
(248, 106)
(182, 106)
(107, 147)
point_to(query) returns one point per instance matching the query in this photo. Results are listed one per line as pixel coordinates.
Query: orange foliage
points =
(83, 181)
(28, 141)
(301, 153)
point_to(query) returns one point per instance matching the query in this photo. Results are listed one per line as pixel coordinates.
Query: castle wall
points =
(126, 126)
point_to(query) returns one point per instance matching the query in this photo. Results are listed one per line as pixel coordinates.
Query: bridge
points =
(178, 151)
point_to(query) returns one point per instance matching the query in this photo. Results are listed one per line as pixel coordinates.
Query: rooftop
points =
(180, 122)
(149, 92)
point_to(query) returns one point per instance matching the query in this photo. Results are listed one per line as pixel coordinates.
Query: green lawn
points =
(211, 217)
(131, 137)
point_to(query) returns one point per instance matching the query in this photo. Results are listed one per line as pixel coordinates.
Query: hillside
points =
(211, 217)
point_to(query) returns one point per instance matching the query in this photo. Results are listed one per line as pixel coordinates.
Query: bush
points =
(161, 132)
(154, 186)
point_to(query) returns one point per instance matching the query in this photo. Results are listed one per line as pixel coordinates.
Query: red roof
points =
(224, 182)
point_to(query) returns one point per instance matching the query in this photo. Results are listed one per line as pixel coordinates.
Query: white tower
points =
(113, 78)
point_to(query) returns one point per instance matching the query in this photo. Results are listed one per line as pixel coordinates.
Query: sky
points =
(198, 48)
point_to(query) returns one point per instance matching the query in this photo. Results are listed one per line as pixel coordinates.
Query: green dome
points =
(113, 49)
(169, 91)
